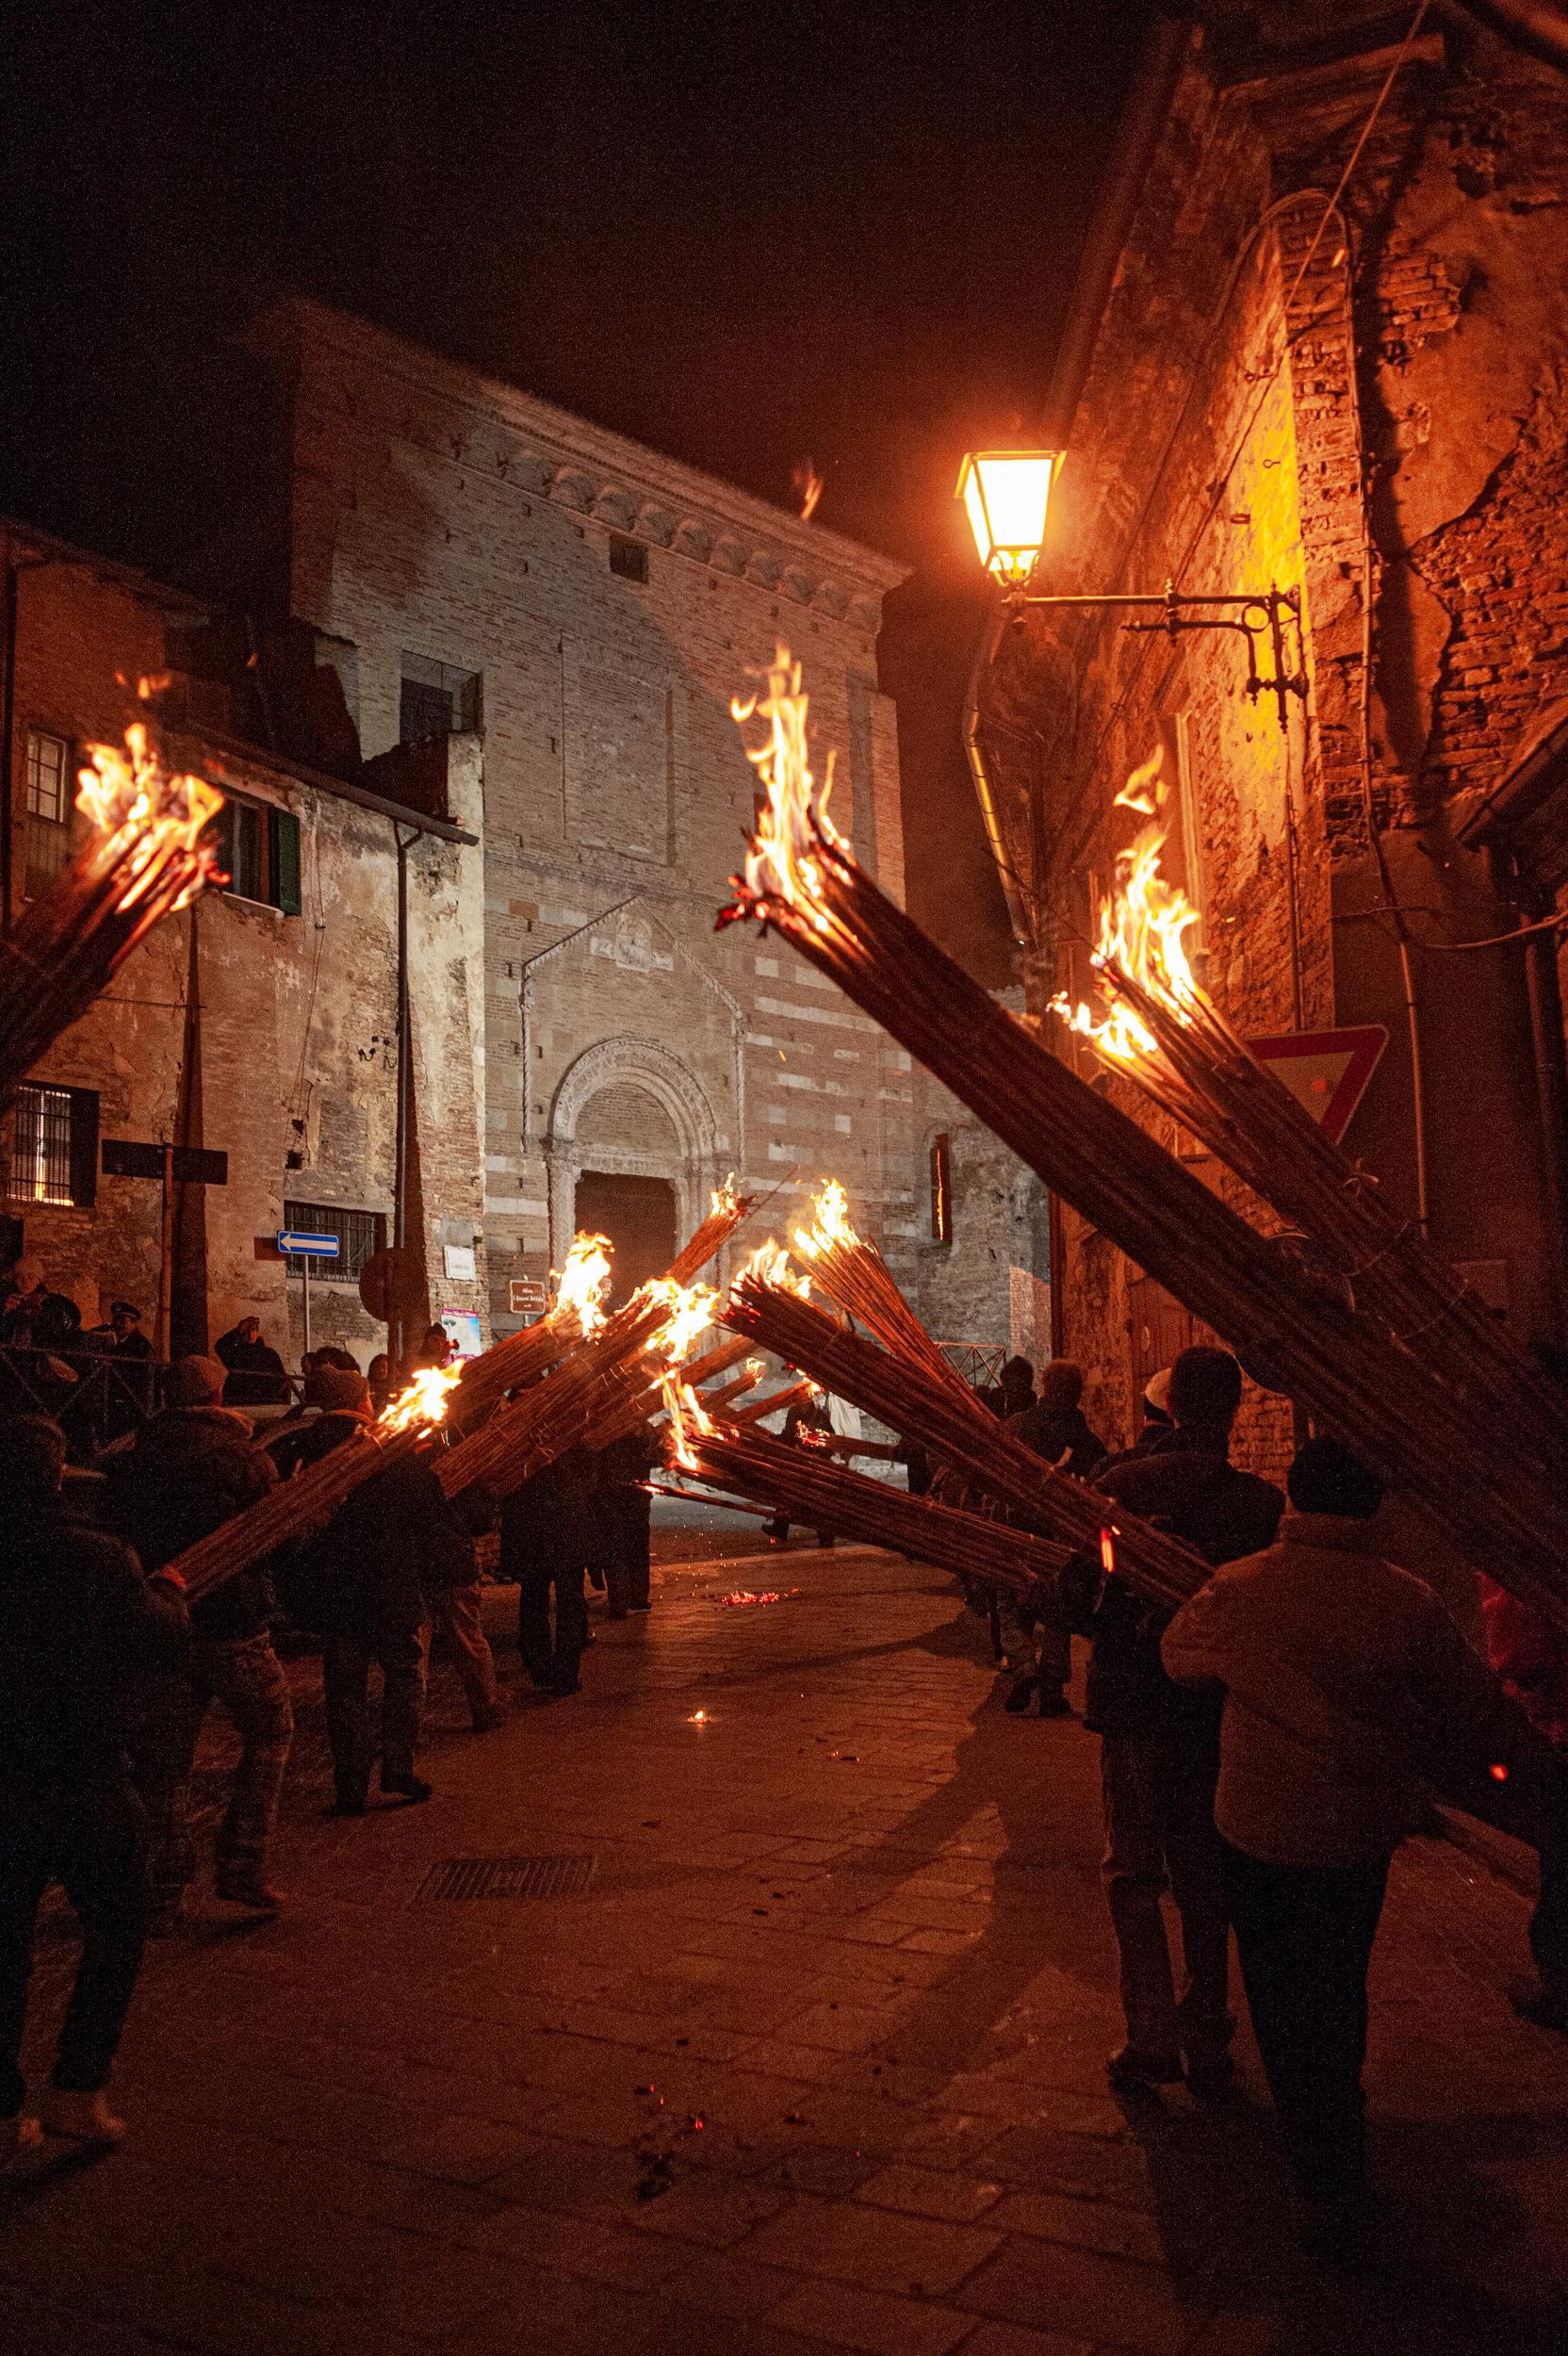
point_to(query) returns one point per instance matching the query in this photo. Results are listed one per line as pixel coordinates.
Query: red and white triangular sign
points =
(1325, 1071)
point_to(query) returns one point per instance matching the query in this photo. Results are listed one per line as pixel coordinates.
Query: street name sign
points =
(190, 1165)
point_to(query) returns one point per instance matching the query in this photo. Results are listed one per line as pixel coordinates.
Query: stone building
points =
(469, 557)
(1359, 403)
(263, 1022)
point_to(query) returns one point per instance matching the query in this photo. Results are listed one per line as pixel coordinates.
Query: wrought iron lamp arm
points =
(1255, 612)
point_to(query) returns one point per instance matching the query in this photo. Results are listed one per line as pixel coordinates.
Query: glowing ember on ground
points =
(744, 1595)
(792, 825)
(1141, 926)
(584, 1280)
(425, 1400)
(146, 814)
(698, 1718)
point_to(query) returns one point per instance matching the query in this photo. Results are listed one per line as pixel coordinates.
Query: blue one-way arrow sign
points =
(303, 1247)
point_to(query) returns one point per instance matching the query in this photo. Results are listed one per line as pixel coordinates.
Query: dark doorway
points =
(639, 1217)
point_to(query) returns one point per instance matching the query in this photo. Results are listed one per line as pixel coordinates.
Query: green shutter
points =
(287, 848)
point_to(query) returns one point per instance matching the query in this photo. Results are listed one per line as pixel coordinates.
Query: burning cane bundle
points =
(806, 1485)
(962, 1431)
(297, 1509)
(854, 1273)
(144, 858)
(802, 877)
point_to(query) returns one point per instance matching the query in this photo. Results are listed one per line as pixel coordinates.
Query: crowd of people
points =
(107, 1673)
(1264, 1748)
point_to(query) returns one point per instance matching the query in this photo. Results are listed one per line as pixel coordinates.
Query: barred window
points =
(48, 809)
(54, 1147)
(359, 1233)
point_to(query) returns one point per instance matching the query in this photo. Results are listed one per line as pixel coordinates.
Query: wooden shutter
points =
(285, 853)
(84, 1148)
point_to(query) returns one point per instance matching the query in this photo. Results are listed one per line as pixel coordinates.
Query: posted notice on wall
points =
(459, 1262)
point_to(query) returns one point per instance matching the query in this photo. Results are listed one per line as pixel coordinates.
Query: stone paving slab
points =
(815, 2061)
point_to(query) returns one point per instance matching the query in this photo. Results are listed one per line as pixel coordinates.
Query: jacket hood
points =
(182, 1432)
(1339, 1533)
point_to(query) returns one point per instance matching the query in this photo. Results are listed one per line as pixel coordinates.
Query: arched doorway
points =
(632, 1152)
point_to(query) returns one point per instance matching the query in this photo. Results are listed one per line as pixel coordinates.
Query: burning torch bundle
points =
(854, 1275)
(1341, 1366)
(961, 1430)
(806, 1485)
(143, 860)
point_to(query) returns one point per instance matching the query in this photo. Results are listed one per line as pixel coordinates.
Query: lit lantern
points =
(1005, 493)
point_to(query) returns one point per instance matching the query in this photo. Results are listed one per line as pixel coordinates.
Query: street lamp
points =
(1005, 493)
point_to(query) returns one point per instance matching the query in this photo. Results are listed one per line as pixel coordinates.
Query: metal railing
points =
(95, 1396)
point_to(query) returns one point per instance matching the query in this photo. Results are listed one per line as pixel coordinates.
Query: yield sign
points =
(1327, 1071)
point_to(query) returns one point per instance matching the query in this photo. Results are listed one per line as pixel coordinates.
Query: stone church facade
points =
(471, 559)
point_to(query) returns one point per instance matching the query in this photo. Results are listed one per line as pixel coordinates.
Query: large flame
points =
(770, 1265)
(687, 1415)
(425, 1400)
(1141, 929)
(146, 814)
(583, 1283)
(692, 1309)
(829, 1220)
(793, 821)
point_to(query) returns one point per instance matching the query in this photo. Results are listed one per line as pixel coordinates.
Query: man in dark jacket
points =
(1159, 1745)
(808, 1414)
(255, 1372)
(362, 1587)
(548, 1532)
(77, 1622)
(626, 1519)
(1039, 1656)
(190, 1470)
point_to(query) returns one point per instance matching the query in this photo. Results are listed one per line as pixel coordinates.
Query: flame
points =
(809, 484)
(147, 815)
(584, 1280)
(687, 1415)
(425, 1400)
(691, 1310)
(830, 1220)
(792, 825)
(725, 1200)
(770, 1265)
(1141, 926)
(757, 1368)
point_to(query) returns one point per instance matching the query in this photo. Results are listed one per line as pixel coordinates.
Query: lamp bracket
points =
(1258, 614)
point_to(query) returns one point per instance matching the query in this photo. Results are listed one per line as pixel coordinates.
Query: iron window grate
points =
(509, 1877)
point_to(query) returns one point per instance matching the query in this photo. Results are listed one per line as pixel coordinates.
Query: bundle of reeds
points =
(144, 858)
(804, 1484)
(1335, 1362)
(853, 1273)
(962, 1431)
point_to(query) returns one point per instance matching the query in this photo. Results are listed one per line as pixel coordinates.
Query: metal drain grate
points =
(509, 1877)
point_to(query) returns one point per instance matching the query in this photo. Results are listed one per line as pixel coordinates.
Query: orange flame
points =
(725, 1200)
(792, 822)
(691, 1310)
(583, 1283)
(1141, 926)
(146, 815)
(830, 1220)
(425, 1400)
(809, 484)
(687, 1415)
(770, 1265)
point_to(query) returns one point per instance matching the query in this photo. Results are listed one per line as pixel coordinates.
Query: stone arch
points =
(690, 1159)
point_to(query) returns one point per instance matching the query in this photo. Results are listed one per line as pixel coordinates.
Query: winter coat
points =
(1189, 1486)
(1344, 1678)
(549, 1525)
(392, 1544)
(186, 1472)
(79, 1625)
(257, 1377)
(1055, 1433)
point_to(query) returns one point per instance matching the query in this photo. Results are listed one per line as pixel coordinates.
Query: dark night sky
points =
(740, 234)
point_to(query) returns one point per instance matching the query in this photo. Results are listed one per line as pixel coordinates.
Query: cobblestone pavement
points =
(814, 2061)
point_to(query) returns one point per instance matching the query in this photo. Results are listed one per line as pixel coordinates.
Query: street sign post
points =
(176, 1165)
(303, 1247)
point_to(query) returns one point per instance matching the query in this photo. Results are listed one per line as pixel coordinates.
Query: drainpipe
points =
(1551, 1081)
(395, 1336)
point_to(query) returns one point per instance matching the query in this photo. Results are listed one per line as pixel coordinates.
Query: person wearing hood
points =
(78, 1624)
(1159, 1743)
(190, 1469)
(1343, 1678)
